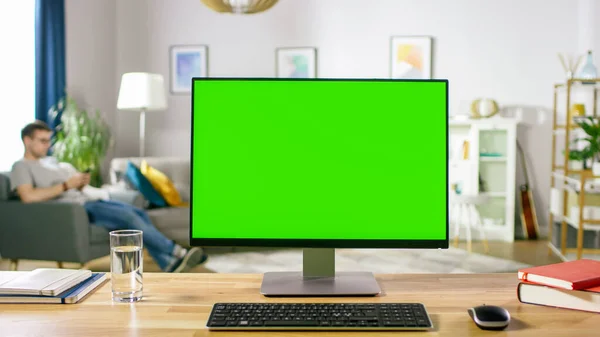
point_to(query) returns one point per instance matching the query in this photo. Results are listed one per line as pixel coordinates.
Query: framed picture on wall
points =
(411, 57)
(187, 62)
(297, 62)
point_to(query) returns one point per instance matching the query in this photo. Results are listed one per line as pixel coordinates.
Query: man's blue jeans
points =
(114, 215)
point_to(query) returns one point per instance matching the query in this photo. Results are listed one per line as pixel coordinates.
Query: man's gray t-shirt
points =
(44, 173)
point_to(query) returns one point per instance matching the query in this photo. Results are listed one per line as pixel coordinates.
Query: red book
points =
(572, 275)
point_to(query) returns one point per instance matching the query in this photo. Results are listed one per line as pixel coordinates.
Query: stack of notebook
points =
(571, 285)
(48, 285)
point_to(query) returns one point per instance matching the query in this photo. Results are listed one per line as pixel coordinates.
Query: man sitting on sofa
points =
(36, 178)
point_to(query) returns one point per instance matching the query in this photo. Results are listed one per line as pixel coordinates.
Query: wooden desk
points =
(179, 304)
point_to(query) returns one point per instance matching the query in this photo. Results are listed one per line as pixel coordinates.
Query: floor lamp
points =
(142, 92)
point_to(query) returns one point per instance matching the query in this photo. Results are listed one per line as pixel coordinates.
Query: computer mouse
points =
(490, 317)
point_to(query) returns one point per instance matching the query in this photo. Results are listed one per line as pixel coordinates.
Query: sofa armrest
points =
(131, 197)
(44, 231)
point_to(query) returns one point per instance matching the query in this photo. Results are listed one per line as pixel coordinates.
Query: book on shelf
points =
(571, 275)
(539, 294)
(41, 281)
(70, 296)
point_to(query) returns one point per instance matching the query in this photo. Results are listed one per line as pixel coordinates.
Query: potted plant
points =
(80, 139)
(579, 159)
(591, 126)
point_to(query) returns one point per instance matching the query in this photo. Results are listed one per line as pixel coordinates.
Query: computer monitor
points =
(319, 164)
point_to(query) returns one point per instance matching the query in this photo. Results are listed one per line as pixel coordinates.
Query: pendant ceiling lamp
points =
(239, 6)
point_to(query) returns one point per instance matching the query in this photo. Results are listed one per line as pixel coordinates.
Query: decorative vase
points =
(484, 108)
(588, 71)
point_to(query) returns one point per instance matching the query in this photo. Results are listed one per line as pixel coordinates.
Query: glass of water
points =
(126, 265)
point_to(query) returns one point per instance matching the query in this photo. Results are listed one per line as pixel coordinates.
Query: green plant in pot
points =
(80, 139)
(591, 127)
(580, 155)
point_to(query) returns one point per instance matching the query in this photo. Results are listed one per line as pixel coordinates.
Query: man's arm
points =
(29, 194)
(22, 182)
(73, 171)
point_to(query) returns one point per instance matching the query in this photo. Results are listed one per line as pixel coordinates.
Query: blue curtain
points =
(50, 77)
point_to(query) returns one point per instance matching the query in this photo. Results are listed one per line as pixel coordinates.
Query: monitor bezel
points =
(315, 243)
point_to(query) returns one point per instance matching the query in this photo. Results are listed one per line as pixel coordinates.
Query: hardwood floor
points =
(530, 252)
(533, 252)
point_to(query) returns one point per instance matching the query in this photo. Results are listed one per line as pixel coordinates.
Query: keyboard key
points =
(393, 323)
(422, 322)
(363, 318)
(291, 323)
(218, 323)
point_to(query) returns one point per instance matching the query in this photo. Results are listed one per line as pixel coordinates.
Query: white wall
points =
(504, 49)
(501, 49)
(90, 29)
(133, 38)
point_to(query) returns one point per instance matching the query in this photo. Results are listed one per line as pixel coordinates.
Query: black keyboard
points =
(319, 316)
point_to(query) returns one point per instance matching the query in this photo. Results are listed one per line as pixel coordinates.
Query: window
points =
(17, 85)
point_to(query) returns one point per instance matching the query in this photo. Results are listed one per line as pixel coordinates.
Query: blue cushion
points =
(141, 183)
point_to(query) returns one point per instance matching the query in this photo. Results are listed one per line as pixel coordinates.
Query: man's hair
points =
(30, 129)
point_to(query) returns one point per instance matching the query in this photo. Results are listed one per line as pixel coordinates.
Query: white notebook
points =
(42, 281)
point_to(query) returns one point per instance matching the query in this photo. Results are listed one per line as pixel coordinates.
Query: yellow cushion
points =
(162, 184)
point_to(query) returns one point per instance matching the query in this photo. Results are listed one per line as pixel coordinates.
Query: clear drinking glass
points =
(126, 265)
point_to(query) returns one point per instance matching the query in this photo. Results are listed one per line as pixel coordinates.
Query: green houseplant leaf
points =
(80, 139)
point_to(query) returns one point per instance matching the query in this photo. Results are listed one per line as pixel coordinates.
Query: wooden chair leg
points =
(469, 223)
(457, 222)
(479, 224)
(14, 264)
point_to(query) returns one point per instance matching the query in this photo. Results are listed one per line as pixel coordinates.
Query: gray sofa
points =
(174, 222)
(47, 231)
(62, 232)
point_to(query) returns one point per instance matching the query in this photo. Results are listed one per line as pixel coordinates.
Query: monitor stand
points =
(318, 278)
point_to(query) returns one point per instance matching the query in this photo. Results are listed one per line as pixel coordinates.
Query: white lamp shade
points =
(142, 91)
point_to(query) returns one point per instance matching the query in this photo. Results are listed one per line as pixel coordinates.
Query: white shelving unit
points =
(491, 155)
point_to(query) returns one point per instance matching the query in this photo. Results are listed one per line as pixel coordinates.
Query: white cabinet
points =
(482, 156)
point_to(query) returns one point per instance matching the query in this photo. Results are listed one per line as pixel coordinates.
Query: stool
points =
(463, 212)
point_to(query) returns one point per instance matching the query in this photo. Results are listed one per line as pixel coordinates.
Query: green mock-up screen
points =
(319, 159)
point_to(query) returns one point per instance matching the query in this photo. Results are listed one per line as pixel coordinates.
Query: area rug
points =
(452, 260)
